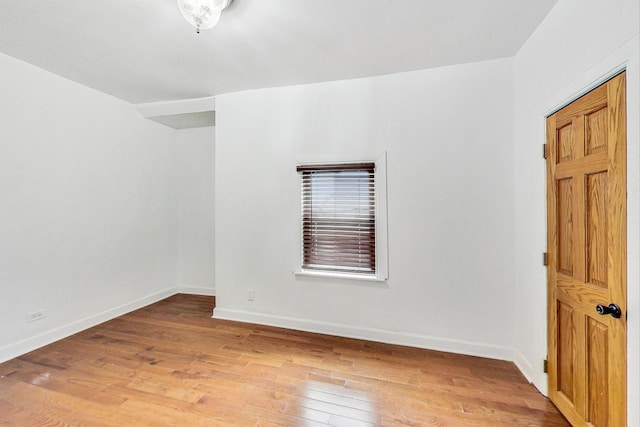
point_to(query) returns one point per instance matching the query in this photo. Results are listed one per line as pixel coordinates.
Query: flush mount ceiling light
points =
(202, 14)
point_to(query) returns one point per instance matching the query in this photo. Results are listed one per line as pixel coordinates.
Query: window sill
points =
(338, 275)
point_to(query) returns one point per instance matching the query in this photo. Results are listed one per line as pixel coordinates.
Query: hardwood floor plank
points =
(171, 364)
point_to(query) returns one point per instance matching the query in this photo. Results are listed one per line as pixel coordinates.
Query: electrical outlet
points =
(35, 316)
(251, 294)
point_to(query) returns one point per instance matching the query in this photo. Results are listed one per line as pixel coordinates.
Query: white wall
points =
(579, 43)
(101, 211)
(195, 162)
(88, 212)
(449, 138)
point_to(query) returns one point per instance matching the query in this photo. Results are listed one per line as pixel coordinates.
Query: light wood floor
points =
(171, 364)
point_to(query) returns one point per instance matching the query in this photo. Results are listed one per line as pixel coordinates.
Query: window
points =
(339, 218)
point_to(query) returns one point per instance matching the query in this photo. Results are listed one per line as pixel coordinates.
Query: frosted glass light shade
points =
(202, 14)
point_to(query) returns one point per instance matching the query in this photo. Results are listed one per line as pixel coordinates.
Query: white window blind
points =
(338, 217)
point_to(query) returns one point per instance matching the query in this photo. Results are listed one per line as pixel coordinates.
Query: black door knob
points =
(611, 309)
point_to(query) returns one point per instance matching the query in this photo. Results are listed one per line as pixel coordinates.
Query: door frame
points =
(625, 58)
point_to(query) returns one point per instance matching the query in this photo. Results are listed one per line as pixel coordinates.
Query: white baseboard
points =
(390, 337)
(19, 348)
(533, 375)
(524, 365)
(379, 335)
(196, 290)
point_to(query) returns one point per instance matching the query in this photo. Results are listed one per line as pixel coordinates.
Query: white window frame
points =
(381, 273)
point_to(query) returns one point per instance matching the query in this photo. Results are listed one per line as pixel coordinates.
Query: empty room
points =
(320, 213)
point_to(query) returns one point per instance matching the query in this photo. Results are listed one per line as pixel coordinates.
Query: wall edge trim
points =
(19, 348)
(469, 348)
(196, 290)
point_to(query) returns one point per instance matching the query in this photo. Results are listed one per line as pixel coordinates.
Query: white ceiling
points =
(144, 51)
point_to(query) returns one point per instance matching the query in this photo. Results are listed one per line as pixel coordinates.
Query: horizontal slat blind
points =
(338, 217)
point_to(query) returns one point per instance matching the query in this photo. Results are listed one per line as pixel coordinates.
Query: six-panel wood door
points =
(586, 229)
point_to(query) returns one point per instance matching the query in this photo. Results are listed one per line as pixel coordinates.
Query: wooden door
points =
(586, 238)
